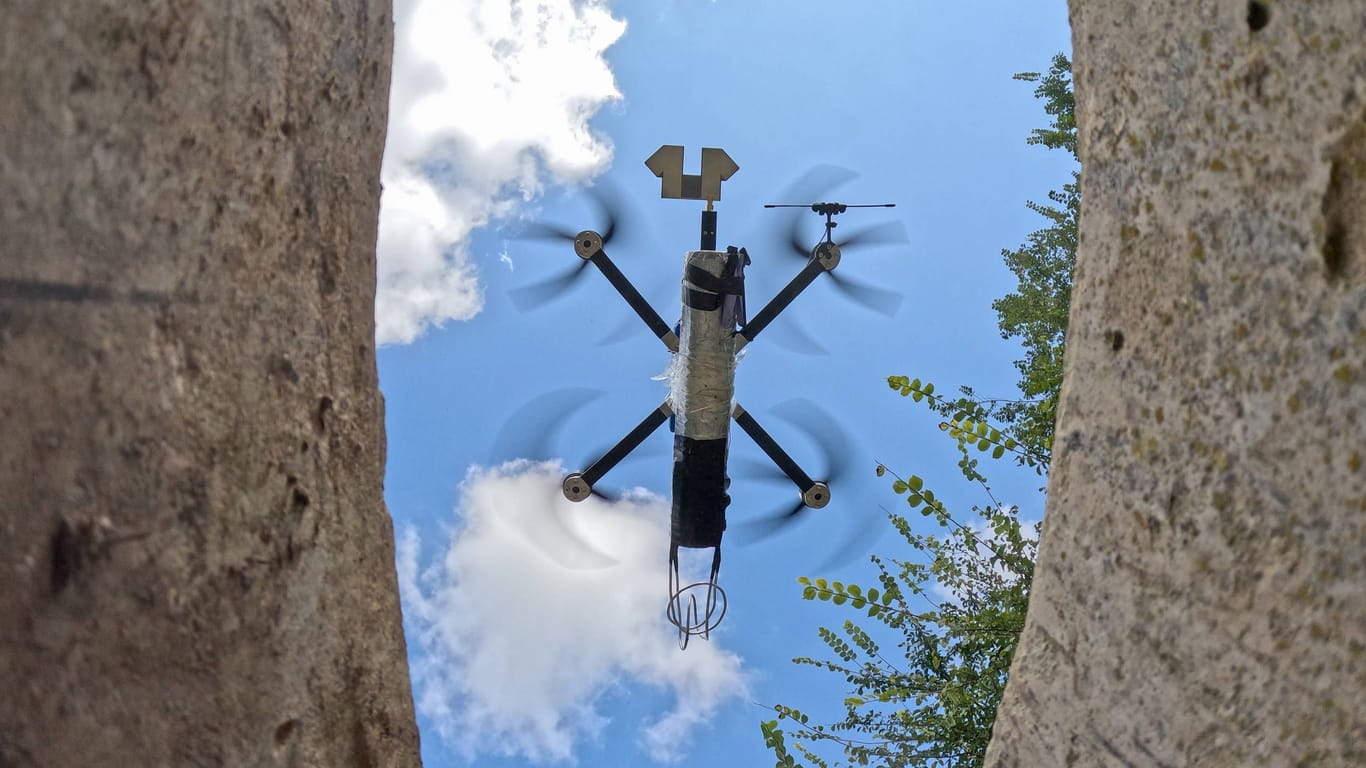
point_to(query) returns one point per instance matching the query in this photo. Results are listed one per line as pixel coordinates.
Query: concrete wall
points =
(1200, 597)
(197, 562)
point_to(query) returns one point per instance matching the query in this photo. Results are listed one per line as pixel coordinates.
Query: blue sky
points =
(531, 645)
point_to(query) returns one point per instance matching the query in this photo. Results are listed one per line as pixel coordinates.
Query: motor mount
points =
(828, 254)
(575, 487)
(587, 243)
(817, 496)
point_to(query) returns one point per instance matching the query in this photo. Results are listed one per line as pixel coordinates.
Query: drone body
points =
(701, 392)
(712, 329)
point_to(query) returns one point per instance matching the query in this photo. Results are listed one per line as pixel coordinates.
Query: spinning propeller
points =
(879, 300)
(610, 209)
(533, 430)
(834, 445)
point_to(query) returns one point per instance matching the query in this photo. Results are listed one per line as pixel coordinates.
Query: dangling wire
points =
(683, 610)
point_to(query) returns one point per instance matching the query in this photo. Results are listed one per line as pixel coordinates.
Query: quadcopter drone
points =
(712, 329)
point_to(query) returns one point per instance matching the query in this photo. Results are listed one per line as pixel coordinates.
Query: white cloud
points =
(488, 96)
(540, 607)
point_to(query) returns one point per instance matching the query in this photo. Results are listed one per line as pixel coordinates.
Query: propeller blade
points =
(529, 297)
(538, 230)
(836, 447)
(799, 196)
(606, 495)
(825, 433)
(886, 233)
(531, 431)
(879, 300)
(813, 183)
(797, 245)
(762, 470)
(630, 325)
(552, 533)
(754, 531)
(611, 206)
(860, 543)
(791, 336)
(609, 229)
(623, 331)
(611, 210)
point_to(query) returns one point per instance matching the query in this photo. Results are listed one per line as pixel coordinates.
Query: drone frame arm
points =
(777, 304)
(637, 302)
(774, 451)
(629, 443)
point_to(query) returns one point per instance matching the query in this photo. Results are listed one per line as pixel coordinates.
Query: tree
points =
(955, 617)
(956, 612)
(1036, 313)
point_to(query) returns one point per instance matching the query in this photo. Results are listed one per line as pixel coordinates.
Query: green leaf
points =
(803, 580)
(929, 388)
(983, 444)
(822, 584)
(898, 487)
(854, 590)
(916, 483)
(859, 603)
(808, 593)
(998, 452)
(840, 598)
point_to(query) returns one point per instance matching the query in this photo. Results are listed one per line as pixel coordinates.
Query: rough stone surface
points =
(197, 562)
(1200, 596)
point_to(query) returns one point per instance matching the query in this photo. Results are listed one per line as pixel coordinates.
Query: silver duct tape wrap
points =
(703, 380)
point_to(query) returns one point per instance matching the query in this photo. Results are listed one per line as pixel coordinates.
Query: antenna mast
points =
(667, 164)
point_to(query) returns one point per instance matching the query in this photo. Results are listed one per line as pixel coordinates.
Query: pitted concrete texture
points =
(197, 562)
(1200, 596)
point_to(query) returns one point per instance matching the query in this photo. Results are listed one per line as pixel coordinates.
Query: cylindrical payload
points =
(703, 386)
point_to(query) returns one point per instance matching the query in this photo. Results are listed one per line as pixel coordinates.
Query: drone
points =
(712, 330)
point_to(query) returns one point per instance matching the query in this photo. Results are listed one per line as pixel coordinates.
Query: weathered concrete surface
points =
(1200, 598)
(197, 562)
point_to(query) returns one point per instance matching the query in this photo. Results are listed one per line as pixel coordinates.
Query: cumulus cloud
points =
(538, 607)
(488, 98)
